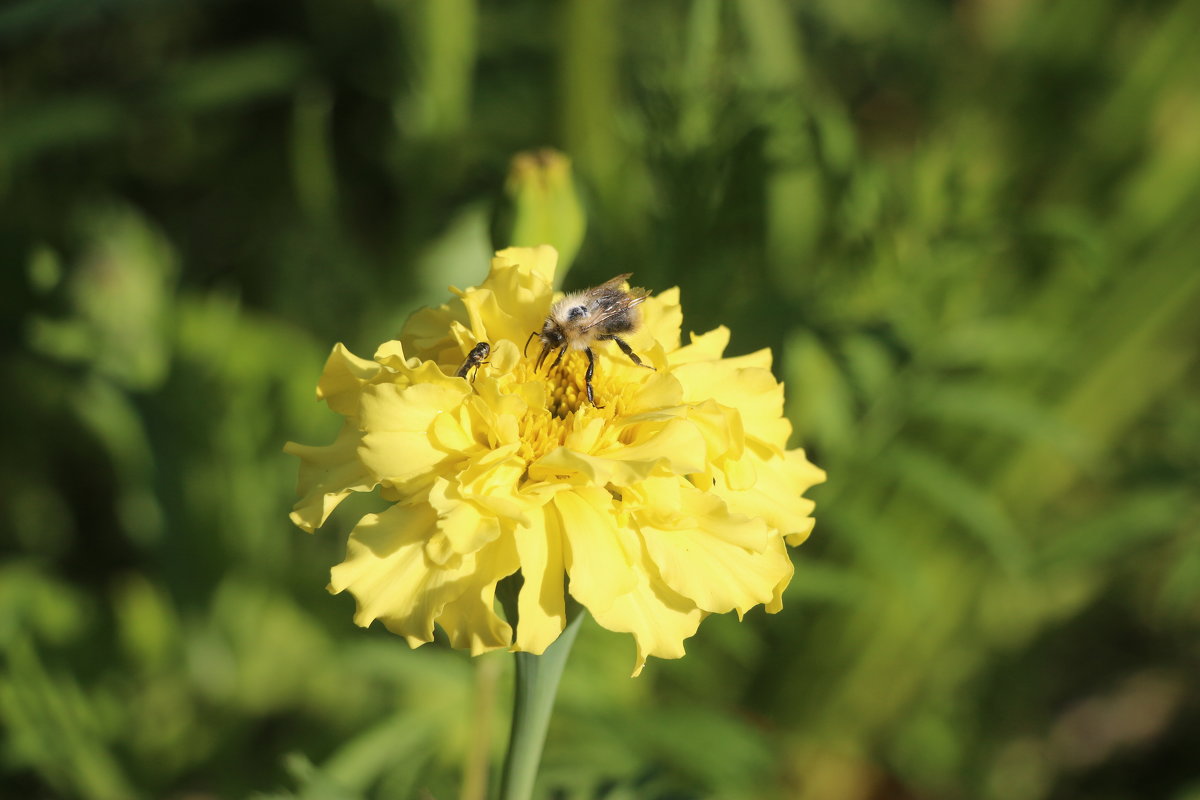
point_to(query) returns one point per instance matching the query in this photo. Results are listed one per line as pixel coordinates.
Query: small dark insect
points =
(599, 314)
(475, 359)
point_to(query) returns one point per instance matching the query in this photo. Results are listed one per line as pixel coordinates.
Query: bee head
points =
(551, 335)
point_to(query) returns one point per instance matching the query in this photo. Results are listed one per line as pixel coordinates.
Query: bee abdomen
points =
(621, 322)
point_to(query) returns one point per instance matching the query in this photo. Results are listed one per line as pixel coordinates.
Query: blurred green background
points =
(968, 230)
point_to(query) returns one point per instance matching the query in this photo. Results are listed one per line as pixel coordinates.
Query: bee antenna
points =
(525, 349)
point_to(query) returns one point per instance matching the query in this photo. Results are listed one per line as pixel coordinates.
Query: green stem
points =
(536, 685)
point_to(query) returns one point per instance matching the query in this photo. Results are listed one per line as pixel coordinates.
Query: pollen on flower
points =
(540, 434)
(674, 498)
(543, 429)
(566, 385)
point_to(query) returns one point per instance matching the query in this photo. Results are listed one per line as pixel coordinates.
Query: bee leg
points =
(542, 357)
(587, 376)
(627, 350)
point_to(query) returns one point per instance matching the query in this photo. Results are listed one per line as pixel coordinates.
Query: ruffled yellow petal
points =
(470, 621)
(343, 379)
(394, 581)
(658, 395)
(677, 445)
(451, 432)
(703, 347)
(662, 319)
(599, 554)
(514, 299)
(718, 560)
(752, 390)
(716, 574)
(430, 333)
(540, 261)
(775, 605)
(493, 480)
(462, 527)
(775, 496)
(397, 446)
(327, 476)
(721, 427)
(673, 502)
(658, 617)
(541, 604)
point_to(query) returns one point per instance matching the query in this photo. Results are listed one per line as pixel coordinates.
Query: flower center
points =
(566, 392)
(567, 387)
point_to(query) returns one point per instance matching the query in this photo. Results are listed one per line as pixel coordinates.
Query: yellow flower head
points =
(672, 501)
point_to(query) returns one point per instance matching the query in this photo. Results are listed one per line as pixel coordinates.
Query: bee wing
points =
(627, 301)
(613, 284)
(636, 296)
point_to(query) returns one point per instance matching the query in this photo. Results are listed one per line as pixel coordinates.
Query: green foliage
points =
(966, 230)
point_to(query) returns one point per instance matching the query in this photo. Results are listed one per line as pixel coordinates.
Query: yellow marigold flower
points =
(673, 501)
